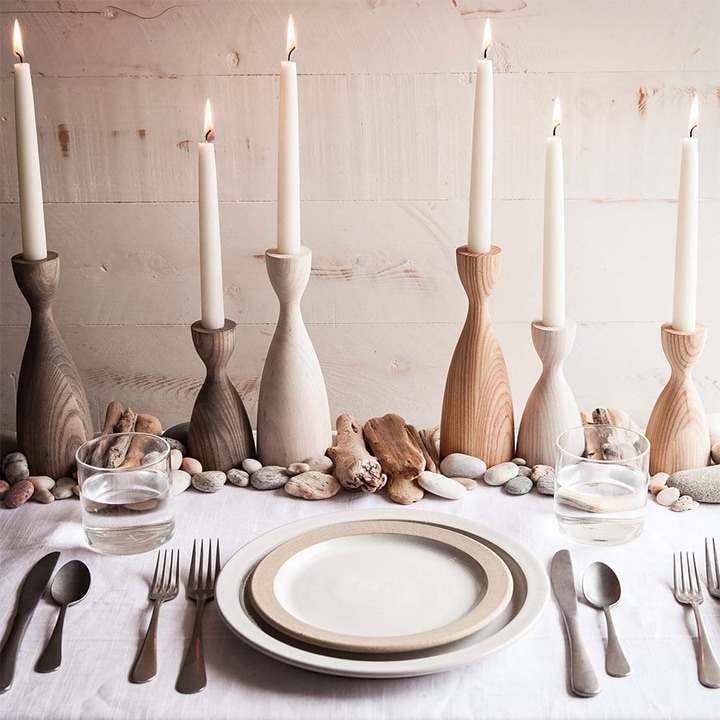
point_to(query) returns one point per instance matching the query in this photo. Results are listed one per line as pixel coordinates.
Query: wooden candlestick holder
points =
(53, 417)
(551, 408)
(678, 430)
(220, 435)
(293, 413)
(477, 413)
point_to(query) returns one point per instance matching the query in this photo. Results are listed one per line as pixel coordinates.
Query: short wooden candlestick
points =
(477, 414)
(53, 417)
(293, 413)
(551, 408)
(220, 435)
(678, 430)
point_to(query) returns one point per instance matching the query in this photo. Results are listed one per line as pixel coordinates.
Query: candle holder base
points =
(678, 430)
(53, 417)
(477, 412)
(551, 408)
(220, 435)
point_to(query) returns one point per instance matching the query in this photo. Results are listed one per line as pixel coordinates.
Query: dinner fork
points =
(687, 590)
(712, 568)
(164, 587)
(201, 588)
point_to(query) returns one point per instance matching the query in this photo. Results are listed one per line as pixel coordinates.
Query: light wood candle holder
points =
(220, 435)
(293, 412)
(551, 408)
(477, 413)
(53, 417)
(678, 430)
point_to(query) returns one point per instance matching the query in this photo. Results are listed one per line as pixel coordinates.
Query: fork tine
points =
(177, 569)
(713, 575)
(208, 576)
(157, 567)
(696, 588)
(217, 560)
(191, 572)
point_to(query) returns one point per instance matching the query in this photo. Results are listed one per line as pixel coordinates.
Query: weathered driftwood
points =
(112, 417)
(431, 441)
(415, 437)
(118, 449)
(355, 467)
(136, 452)
(399, 457)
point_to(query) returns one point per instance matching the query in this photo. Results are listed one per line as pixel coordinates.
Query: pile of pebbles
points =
(18, 486)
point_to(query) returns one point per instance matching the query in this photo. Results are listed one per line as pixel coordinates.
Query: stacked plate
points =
(390, 593)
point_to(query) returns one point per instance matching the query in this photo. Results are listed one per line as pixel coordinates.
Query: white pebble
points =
(441, 485)
(658, 482)
(683, 503)
(500, 474)
(461, 465)
(180, 481)
(250, 465)
(668, 496)
(176, 459)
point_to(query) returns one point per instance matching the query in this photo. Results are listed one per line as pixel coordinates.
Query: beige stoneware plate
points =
(380, 586)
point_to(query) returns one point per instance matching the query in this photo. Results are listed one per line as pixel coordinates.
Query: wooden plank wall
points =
(386, 94)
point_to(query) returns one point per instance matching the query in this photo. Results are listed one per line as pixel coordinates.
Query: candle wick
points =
(485, 52)
(209, 136)
(20, 57)
(292, 50)
(694, 127)
(555, 127)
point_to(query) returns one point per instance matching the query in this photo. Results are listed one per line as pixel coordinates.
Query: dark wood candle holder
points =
(220, 435)
(53, 416)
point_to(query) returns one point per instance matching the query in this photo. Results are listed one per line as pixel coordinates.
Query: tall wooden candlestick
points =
(678, 430)
(293, 413)
(477, 414)
(220, 436)
(53, 417)
(551, 408)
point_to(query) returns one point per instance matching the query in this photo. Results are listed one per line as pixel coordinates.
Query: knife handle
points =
(9, 651)
(583, 679)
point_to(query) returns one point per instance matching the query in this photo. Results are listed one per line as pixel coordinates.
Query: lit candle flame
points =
(487, 38)
(17, 41)
(209, 134)
(556, 120)
(694, 115)
(291, 41)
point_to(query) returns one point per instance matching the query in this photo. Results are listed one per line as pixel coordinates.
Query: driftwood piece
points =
(355, 467)
(112, 417)
(117, 451)
(431, 441)
(136, 453)
(415, 437)
(148, 424)
(400, 459)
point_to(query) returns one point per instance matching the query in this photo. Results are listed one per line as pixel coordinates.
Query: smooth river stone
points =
(312, 485)
(18, 493)
(658, 482)
(320, 463)
(441, 485)
(241, 478)
(667, 496)
(703, 484)
(43, 485)
(180, 481)
(15, 467)
(683, 503)
(64, 488)
(298, 469)
(176, 458)
(270, 477)
(191, 466)
(500, 474)
(461, 465)
(519, 485)
(251, 465)
(209, 481)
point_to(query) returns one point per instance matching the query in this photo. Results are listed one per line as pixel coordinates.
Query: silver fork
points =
(687, 590)
(201, 588)
(712, 568)
(164, 587)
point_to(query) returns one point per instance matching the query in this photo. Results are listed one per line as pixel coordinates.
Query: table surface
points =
(527, 679)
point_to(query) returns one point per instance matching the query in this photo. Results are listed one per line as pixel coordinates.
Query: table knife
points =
(32, 589)
(583, 680)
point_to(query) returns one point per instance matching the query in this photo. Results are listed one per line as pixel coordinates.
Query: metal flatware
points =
(164, 587)
(32, 589)
(687, 590)
(583, 680)
(201, 588)
(712, 568)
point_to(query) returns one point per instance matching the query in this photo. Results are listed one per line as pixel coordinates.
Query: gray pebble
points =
(251, 465)
(297, 469)
(238, 477)
(461, 465)
(64, 488)
(320, 463)
(715, 452)
(500, 474)
(518, 485)
(703, 484)
(544, 478)
(271, 477)
(176, 445)
(209, 481)
(684, 502)
(15, 467)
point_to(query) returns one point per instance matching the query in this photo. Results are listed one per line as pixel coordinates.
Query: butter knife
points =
(32, 589)
(583, 680)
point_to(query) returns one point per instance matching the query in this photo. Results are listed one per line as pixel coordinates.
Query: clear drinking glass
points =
(602, 484)
(126, 509)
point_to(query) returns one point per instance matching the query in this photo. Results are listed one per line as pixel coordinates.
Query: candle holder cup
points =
(477, 412)
(551, 408)
(220, 435)
(293, 413)
(678, 430)
(53, 417)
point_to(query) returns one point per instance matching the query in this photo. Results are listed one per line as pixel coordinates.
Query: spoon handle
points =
(52, 655)
(616, 663)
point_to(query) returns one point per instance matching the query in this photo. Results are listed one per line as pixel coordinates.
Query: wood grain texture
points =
(220, 435)
(293, 412)
(678, 430)
(53, 417)
(551, 408)
(477, 412)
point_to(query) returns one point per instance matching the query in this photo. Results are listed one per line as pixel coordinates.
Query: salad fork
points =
(712, 568)
(687, 591)
(201, 588)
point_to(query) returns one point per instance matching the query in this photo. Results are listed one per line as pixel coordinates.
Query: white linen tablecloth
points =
(527, 679)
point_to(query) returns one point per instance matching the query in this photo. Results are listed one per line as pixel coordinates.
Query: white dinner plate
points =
(530, 594)
(379, 586)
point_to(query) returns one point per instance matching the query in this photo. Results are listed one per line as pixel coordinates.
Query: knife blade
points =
(583, 680)
(32, 589)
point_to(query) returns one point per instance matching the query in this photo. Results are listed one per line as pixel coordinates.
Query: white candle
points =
(685, 300)
(288, 196)
(479, 224)
(211, 281)
(553, 306)
(32, 216)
